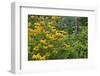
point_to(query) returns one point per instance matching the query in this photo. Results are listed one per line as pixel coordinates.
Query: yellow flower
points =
(45, 47)
(39, 27)
(46, 32)
(51, 36)
(47, 35)
(36, 48)
(43, 41)
(59, 34)
(50, 45)
(53, 17)
(53, 30)
(43, 57)
(36, 31)
(51, 24)
(38, 57)
(34, 56)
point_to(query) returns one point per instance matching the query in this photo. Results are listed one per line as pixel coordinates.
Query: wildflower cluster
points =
(47, 38)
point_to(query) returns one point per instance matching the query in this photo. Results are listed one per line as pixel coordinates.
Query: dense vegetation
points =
(57, 37)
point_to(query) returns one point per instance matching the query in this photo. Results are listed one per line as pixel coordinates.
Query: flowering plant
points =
(56, 37)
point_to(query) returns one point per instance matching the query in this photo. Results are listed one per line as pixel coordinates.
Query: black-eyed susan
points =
(53, 30)
(53, 17)
(43, 57)
(36, 31)
(51, 24)
(45, 32)
(51, 36)
(43, 41)
(38, 57)
(36, 48)
(63, 32)
(50, 45)
(34, 56)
